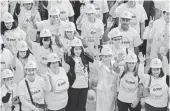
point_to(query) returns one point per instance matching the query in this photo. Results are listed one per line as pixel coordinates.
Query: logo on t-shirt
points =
(37, 94)
(60, 86)
(126, 42)
(26, 21)
(156, 92)
(133, 21)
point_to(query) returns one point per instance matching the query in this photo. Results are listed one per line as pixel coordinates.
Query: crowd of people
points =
(85, 55)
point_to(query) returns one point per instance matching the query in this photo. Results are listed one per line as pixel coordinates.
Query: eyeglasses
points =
(8, 79)
(89, 14)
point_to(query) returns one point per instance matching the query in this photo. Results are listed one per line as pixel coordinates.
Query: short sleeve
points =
(143, 15)
(105, 7)
(136, 40)
(23, 34)
(70, 8)
(40, 25)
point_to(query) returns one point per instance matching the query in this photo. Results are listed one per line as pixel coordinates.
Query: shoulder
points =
(22, 84)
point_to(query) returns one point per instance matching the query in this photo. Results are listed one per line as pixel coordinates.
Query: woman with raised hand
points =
(31, 89)
(156, 95)
(78, 76)
(57, 98)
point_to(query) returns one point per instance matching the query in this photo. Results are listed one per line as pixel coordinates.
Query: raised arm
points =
(141, 67)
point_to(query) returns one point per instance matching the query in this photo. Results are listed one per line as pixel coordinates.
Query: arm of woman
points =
(88, 57)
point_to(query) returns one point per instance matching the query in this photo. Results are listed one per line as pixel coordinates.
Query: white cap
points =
(52, 57)
(126, 14)
(70, 26)
(156, 63)
(90, 8)
(91, 96)
(22, 46)
(131, 57)
(54, 11)
(106, 50)
(30, 65)
(76, 42)
(45, 33)
(114, 33)
(7, 17)
(7, 73)
(28, 1)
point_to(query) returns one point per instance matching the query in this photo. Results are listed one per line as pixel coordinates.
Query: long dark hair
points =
(45, 39)
(28, 52)
(160, 75)
(3, 27)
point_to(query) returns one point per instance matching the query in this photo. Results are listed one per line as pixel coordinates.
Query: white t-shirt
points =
(158, 92)
(64, 5)
(57, 29)
(81, 75)
(130, 39)
(87, 26)
(24, 18)
(37, 88)
(4, 91)
(58, 97)
(129, 87)
(137, 17)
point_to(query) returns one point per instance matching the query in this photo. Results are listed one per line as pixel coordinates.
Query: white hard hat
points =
(126, 14)
(30, 65)
(156, 63)
(90, 8)
(7, 17)
(70, 26)
(131, 57)
(45, 33)
(114, 33)
(91, 96)
(166, 7)
(28, 1)
(76, 42)
(54, 11)
(106, 50)
(52, 57)
(22, 46)
(6, 73)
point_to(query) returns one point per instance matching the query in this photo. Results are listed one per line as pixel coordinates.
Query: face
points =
(131, 65)
(54, 65)
(28, 6)
(70, 34)
(90, 16)
(8, 25)
(77, 51)
(116, 40)
(156, 72)
(8, 80)
(106, 58)
(125, 23)
(54, 18)
(46, 42)
(166, 17)
(22, 54)
(31, 72)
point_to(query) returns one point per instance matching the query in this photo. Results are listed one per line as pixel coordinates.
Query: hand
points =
(151, 22)
(141, 57)
(135, 103)
(120, 57)
(109, 22)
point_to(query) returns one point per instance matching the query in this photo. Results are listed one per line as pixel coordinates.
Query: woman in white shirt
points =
(21, 58)
(10, 32)
(57, 98)
(9, 98)
(128, 86)
(107, 81)
(42, 49)
(33, 86)
(155, 81)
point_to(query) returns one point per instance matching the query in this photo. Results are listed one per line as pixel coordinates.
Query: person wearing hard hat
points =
(57, 98)
(9, 98)
(128, 85)
(78, 76)
(25, 13)
(31, 89)
(64, 16)
(107, 81)
(42, 49)
(130, 37)
(21, 58)
(10, 32)
(156, 82)
(64, 5)
(54, 23)
(6, 57)
(159, 34)
(87, 21)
